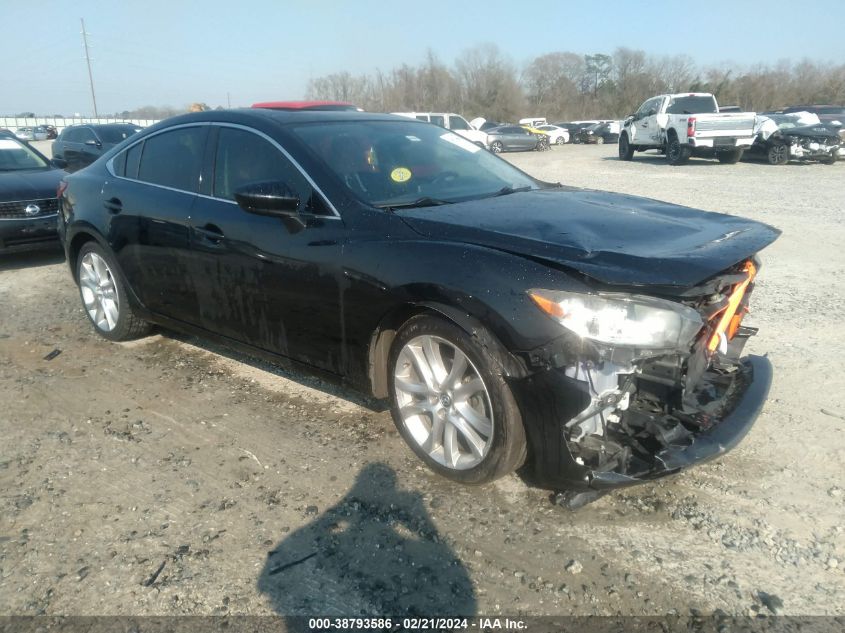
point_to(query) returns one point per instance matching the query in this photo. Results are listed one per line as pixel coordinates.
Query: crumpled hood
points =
(29, 184)
(812, 131)
(614, 238)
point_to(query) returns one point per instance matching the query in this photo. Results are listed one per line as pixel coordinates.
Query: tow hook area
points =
(573, 500)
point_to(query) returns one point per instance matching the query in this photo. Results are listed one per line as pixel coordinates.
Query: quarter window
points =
(133, 159)
(173, 159)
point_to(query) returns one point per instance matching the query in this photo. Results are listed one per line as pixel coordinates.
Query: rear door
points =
(151, 199)
(267, 281)
(71, 148)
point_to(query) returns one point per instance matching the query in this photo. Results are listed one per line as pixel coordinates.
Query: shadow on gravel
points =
(376, 551)
(280, 368)
(31, 259)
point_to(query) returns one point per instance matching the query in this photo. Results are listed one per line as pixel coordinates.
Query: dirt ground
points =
(167, 476)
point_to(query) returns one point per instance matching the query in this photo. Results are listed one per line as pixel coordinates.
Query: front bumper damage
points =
(604, 419)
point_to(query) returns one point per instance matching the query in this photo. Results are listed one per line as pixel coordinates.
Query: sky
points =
(218, 52)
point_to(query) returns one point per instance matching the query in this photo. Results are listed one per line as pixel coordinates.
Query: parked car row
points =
(692, 124)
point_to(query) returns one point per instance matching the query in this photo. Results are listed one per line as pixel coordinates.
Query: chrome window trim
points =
(110, 167)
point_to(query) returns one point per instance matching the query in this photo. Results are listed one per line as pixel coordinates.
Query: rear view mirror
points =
(268, 198)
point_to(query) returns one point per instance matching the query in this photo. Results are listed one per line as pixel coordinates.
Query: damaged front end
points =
(816, 144)
(622, 414)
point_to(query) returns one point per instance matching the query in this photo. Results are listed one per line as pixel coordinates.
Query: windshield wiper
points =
(425, 201)
(504, 191)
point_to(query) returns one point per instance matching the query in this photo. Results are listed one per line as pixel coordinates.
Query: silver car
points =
(511, 138)
(31, 133)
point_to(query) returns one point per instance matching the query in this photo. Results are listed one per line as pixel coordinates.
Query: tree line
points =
(569, 86)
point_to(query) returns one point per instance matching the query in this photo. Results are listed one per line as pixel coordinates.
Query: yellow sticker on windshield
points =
(400, 174)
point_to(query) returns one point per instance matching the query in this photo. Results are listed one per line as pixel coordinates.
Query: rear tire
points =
(829, 161)
(451, 403)
(677, 153)
(729, 158)
(778, 154)
(626, 150)
(104, 295)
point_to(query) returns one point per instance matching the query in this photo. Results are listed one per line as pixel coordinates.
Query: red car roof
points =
(306, 105)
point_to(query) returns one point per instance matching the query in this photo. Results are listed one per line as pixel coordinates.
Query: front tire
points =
(104, 295)
(496, 147)
(451, 403)
(626, 150)
(599, 140)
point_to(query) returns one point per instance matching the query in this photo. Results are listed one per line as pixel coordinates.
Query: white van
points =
(534, 121)
(451, 121)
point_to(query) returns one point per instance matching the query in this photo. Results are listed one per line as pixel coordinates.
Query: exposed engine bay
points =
(643, 408)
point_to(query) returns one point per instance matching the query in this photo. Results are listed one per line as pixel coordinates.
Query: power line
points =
(88, 61)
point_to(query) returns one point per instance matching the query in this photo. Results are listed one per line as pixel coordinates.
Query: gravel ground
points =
(167, 476)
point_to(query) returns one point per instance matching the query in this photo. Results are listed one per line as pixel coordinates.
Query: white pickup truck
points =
(685, 125)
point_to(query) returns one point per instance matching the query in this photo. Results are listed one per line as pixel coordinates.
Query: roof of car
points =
(280, 116)
(306, 105)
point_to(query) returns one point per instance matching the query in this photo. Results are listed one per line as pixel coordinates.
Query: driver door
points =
(646, 129)
(270, 282)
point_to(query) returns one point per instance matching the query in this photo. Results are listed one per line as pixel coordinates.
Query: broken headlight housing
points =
(619, 319)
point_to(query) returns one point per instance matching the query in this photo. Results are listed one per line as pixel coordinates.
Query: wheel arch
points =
(382, 340)
(75, 244)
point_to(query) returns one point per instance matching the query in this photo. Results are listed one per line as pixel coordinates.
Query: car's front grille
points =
(18, 209)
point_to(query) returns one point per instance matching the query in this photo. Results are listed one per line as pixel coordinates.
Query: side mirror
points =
(61, 163)
(94, 143)
(268, 198)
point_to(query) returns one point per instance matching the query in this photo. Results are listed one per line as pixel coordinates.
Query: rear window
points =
(692, 105)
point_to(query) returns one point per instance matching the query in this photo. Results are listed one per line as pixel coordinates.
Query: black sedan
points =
(594, 337)
(514, 138)
(28, 202)
(81, 145)
(783, 138)
(599, 134)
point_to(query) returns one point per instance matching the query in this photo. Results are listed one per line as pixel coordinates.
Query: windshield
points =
(398, 163)
(692, 105)
(15, 156)
(116, 133)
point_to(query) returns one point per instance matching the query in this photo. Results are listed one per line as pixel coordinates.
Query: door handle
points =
(210, 233)
(114, 205)
(644, 125)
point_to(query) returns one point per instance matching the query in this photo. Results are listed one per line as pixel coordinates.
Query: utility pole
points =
(228, 100)
(88, 61)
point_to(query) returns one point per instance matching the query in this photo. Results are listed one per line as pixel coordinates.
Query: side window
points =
(458, 123)
(119, 164)
(422, 117)
(173, 159)
(243, 158)
(71, 135)
(133, 159)
(85, 134)
(438, 119)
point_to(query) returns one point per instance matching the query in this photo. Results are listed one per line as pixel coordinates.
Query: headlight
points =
(621, 319)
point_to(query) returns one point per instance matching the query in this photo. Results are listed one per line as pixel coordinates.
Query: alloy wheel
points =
(443, 402)
(99, 293)
(496, 147)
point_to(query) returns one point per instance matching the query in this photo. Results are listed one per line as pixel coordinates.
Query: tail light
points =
(691, 127)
